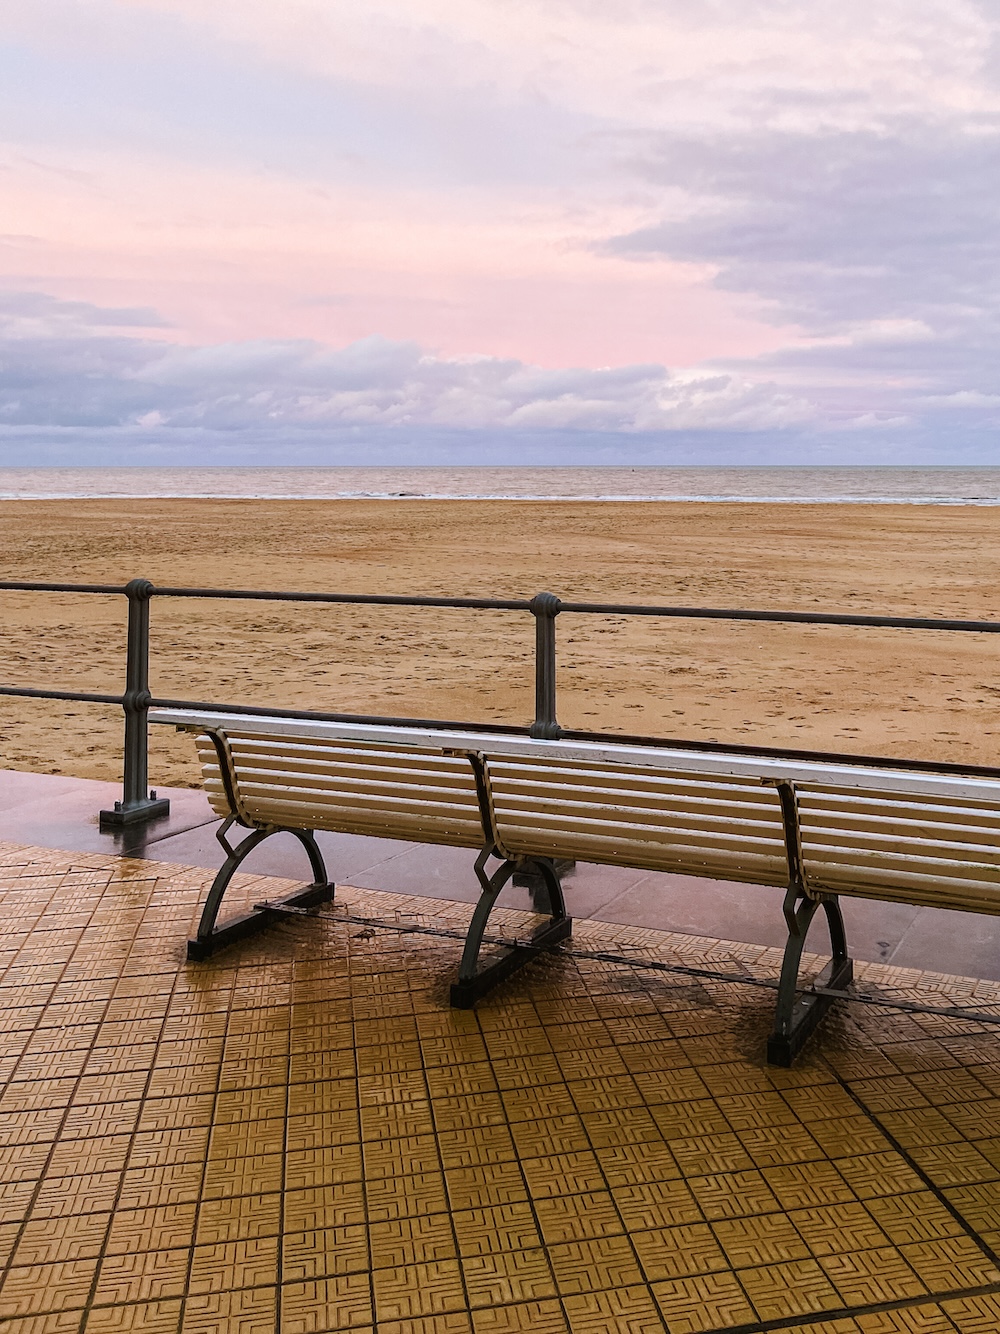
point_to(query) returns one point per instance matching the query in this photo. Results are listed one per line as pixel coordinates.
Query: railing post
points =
(545, 608)
(138, 803)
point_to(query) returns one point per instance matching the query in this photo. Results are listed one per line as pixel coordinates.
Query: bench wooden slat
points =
(573, 814)
(382, 783)
(600, 786)
(675, 856)
(396, 823)
(898, 885)
(333, 771)
(906, 843)
(903, 822)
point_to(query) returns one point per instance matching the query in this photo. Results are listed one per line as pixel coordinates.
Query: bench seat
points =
(818, 830)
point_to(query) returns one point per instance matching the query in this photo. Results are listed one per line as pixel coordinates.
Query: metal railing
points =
(139, 804)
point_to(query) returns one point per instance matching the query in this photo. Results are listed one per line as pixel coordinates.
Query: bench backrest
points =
(913, 837)
(386, 791)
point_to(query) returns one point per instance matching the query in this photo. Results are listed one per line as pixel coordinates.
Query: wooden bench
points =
(817, 829)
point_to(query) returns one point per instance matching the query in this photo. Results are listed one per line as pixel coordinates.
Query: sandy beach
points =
(911, 694)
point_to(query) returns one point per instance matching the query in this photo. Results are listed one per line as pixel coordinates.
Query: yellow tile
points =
(707, 1155)
(920, 1126)
(797, 1287)
(950, 1262)
(628, 1310)
(734, 1194)
(327, 1166)
(504, 1227)
(536, 1317)
(876, 1174)
(431, 1288)
(844, 1325)
(164, 1228)
(58, 1197)
(704, 1302)
(309, 1255)
(40, 1288)
(537, 1139)
(575, 1217)
(808, 1185)
(632, 1164)
(454, 1322)
(508, 1276)
(589, 1266)
(974, 1315)
(848, 1137)
(563, 1174)
(54, 1240)
(149, 1187)
(657, 1204)
(249, 1216)
(481, 1187)
(865, 1278)
(626, 1125)
(476, 1148)
(838, 1229)
(929, 1319)
(954, 1165)
(161, 1317)
(678, 1252)
(407, 1242)
(761, 1239)
(917, 1216)
(257, 1174)
(399, 1197)
(142, 1276)
(519, 1072)
(248, 1311)
(689, 1119)
(234, 1264)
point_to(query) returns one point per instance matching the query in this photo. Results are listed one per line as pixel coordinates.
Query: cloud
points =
(833, 171)
(61, 369)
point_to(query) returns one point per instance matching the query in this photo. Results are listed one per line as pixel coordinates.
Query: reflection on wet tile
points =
(301, 1134)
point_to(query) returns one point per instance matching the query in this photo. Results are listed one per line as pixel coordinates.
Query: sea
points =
(774, 485)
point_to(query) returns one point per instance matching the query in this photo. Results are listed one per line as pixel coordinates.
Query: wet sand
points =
(911, 693)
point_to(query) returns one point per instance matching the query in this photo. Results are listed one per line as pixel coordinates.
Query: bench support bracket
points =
(473, 984)
(796, 1015)
(211, 938)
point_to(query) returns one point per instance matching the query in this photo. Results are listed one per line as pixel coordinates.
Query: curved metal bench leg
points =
(796, 1016)
(210, 938)
(473, 984)
(553, 887)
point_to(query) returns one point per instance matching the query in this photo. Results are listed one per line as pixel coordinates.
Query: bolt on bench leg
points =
(211, 938)
(797, 1016)
(473, 984)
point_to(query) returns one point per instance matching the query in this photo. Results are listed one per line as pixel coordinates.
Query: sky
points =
(499, 231)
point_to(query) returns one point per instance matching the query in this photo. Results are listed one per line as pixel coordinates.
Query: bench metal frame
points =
(797, 1012)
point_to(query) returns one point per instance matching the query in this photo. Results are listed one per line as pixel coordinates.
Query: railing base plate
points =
(153, 808)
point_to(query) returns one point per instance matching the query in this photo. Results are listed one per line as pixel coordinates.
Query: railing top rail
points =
(524, 604)
(364, 599)
(786, 617)
(33, 586)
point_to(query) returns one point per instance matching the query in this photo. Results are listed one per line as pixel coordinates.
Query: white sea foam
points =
(788, 485)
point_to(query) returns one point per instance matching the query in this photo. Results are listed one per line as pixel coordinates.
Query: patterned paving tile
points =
(301, 1136)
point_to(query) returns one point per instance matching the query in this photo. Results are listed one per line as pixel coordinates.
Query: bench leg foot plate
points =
(263, 916)
(464, 994)
(809, 1009)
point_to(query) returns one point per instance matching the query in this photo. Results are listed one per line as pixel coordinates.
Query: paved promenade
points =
(300, 1135)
